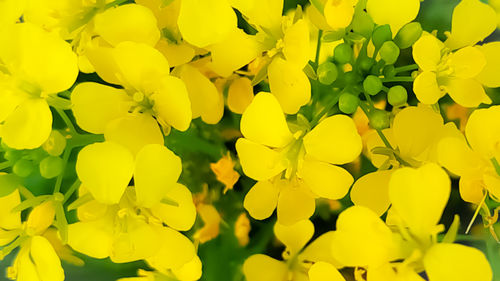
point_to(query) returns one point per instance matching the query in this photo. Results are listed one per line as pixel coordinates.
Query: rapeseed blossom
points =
(160, 136)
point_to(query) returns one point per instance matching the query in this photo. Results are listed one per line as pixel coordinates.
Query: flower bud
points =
(408, 35)
(379, 119)
(348, 103)
(55, 144)
(23, 168)
(41, 218)
(372, 85)
(327, 73)
(397, 95)
(389, 52)
(343, 53)
(51, 167)
(381, 34)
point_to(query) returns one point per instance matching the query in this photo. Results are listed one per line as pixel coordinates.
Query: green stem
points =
(71, 190)
(368, 99)
(67, 121)
(25, 192)
(318, 48)
(384, 139)
(325, 110)
(406, 68)
(398, 79)
(80, 140)
(59, 179)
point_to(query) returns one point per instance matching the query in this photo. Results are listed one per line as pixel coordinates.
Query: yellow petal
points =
(156, 171)
(297, 44)
(29, 126)
(472, 21)
(102, 61)
(323, 271)
(179, 217)
(324, 179)
(26, 270)
(257, 161)
(372, 191)
(427, 52)
(203, 23)
(134, 132)
(263, 268)
(263, 122)
(492, 183)
(320, 250)
(202, 92)
(211, 219)
(467, 92)
(338, 14)
(261, 200)
(419, 196)
(11, 11)
(334, 140)
(456, 156)
(106, 169)
(265, 13)
(190, 271)
(235, 51)
(415, 129)
(294, 236)
(10, 100)
(101, 232)
(176, 54)
(95, 105)
(38, 57)
(426, 88)
(361, 238)
(396, 13)
(172, 106)
(46, 261)
(138, 242)
(40, 218)
(240, 95)
(139, 66)
(294, 204)
(175, 250)
(467, 62)
(471, 189)
(483, 131)
(446, 261)
(129, 22)
(289, 84)
(8, 219)
(490, 75)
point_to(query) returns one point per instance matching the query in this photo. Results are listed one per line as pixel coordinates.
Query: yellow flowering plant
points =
(258, 140)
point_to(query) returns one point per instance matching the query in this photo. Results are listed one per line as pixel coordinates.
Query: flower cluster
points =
(167, 132)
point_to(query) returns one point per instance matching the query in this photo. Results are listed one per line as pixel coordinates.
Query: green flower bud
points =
(372, 85)
(51, 167)
(23, 168)
(381, 34)
(362, 24)
(366, 63)
(12, 155)
(379, 119)
(352, 78)
(343, 53)
(55, 144)
(397, 95)
(348, 103)
(389, 71)
(389, 52)
(327, 73)
(408, 35)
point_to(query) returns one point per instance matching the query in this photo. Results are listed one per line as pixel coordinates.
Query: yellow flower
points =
(11, 11)
(339, 13)
(225, 173)
(293, 169)
(242, 229)
(314, 262)
(472, 158)
(35, 66)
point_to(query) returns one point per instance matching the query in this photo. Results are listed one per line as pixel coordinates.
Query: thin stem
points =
(71, 190)
(67, 121)
(398, 79)
(25, 192)
(318, 47)
(476, 213)
(384, 139)
(59, 179)
(114, 3)
(406, 68)
(368, 99)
